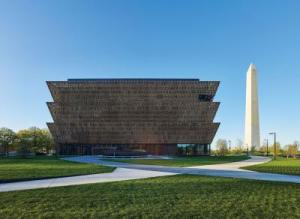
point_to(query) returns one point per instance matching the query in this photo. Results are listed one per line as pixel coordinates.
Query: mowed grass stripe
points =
(19, 169)
(184, 161)
(181, 196)
(281, 165)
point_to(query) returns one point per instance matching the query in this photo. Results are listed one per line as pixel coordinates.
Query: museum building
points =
(130, 117)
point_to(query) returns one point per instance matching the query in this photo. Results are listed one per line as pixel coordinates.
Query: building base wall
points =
(132, 149)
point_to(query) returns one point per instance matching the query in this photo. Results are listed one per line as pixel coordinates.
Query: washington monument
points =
(252, 129)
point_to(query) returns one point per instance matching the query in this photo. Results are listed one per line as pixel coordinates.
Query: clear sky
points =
(205, 39)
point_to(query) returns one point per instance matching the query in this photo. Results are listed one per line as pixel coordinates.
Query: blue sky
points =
(205, 39)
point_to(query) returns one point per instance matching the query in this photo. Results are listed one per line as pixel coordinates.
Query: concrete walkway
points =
(223, 170)
(120, 174)
(127, 171)
(234, 166)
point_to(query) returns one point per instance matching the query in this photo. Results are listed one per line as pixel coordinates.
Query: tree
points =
(264, 148)
(238, 149)
(222, 147)
(23, 147)
(37, 140)
(7, 138)
(292, 149)
(278, 148)
(297, 143)
(253, 149)
(46, 141)
(24, 142)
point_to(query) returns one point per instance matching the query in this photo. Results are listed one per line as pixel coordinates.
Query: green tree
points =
(36, 145)
(278, 148)
(46, 141)
(238, 149)
(292, 149)
(37, 140)
(7, 138)
(264, 148)
(23, 149)
(222, 147)
(24, 142)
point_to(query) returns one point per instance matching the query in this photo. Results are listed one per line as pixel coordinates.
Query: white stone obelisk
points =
(252, 128)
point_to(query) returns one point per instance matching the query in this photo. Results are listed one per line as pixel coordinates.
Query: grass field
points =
(182, 196)
(184, 161)
(18, 169)
(280, 165)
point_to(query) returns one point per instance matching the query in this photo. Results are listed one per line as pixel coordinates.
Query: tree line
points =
(290, 150)
(33, 140)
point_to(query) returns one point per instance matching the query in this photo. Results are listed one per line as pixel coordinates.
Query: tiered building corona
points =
(133, 116)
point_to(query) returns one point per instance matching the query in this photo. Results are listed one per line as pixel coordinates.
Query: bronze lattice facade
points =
(133, 116)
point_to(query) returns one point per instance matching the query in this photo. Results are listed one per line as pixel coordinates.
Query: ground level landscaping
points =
(281, 165)
(184, 161)
(181, 196)
(20, 169)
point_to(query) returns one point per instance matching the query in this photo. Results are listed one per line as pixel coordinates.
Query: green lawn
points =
(181, 196)
(18, 169)
(280, 165)
(184, 161)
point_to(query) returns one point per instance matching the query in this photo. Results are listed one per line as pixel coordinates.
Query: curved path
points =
(234, 166)
(127, 171)
(119, 174)
(223, 170)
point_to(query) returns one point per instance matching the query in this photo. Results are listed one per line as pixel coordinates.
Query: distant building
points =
(133, 116)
